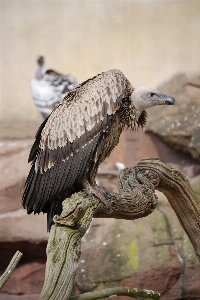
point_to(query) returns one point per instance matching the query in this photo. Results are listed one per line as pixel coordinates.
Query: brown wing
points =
(66, 143)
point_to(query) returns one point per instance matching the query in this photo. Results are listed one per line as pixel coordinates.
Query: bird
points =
(49, 87)
(79, 135)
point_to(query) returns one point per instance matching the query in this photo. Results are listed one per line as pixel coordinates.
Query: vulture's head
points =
(144, 97)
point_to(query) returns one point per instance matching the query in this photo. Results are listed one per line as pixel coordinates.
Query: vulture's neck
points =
(130, 117)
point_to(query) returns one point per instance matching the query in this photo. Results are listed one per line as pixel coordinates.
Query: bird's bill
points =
(168, 100)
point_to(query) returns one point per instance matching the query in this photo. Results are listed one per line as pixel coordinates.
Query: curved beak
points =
(168, 99)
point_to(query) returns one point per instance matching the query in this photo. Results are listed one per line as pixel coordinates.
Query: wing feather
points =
(71, 119)
(62, 178)
(67, 141)
(29, 186)
(41, 192)
(36, 144)
(35, 195)
(81, 111)
(48, 186)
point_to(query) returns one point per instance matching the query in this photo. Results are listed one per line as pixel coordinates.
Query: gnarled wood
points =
(176, 187)
(63, 249)
(136, 199)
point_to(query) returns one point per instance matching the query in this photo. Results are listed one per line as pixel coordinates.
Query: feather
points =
(74, 140)
(35, 146)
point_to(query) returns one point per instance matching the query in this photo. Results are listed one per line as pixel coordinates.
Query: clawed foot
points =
(115, 195)
(100, 192)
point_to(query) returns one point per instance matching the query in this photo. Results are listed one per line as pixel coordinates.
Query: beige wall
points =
(148, 40)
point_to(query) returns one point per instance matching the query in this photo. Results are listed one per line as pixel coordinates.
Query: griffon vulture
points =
(79, 134)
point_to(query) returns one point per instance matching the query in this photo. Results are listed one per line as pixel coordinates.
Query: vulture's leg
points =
(100, 192)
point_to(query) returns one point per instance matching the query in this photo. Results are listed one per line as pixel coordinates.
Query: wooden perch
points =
(136, 199)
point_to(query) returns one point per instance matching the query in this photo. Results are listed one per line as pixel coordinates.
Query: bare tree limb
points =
(176, 187)
(136, 199)
(11, 267)
(118, 291)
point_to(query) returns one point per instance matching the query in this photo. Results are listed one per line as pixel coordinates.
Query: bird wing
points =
(67, 141)
(50, 90)
(84, 108)
(66, 82)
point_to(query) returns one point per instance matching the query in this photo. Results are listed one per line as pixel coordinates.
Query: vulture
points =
(79, 134)
(48, 88)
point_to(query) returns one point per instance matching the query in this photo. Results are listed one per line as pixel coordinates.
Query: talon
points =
(98, 192)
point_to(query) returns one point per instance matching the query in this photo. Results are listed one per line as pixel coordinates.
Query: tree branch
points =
(11, 267)
(136, 199)
(117, 291)
(176, 187)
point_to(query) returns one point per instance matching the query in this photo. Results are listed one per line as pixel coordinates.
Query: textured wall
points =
(148, 40)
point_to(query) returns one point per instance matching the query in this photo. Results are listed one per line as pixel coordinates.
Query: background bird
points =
(48, 88)
(79, 134)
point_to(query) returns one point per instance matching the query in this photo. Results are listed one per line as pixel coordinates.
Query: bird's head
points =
(144, 97)
(40, 64)
(40, 60)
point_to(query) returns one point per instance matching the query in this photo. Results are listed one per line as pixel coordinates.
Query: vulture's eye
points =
(151, 95)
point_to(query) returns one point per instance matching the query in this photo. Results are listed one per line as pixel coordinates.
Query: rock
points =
(180, 285)
(18, 226)
(6, 296)
(146, 145)
(25, 283)
(18, 231)
(194, 144)
(179, 126)
(113, 250)
(14, 169)
(191, 171)
(195, 183)
(15, 224)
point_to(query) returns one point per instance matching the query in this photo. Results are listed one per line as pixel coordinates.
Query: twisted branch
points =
(136, 199)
